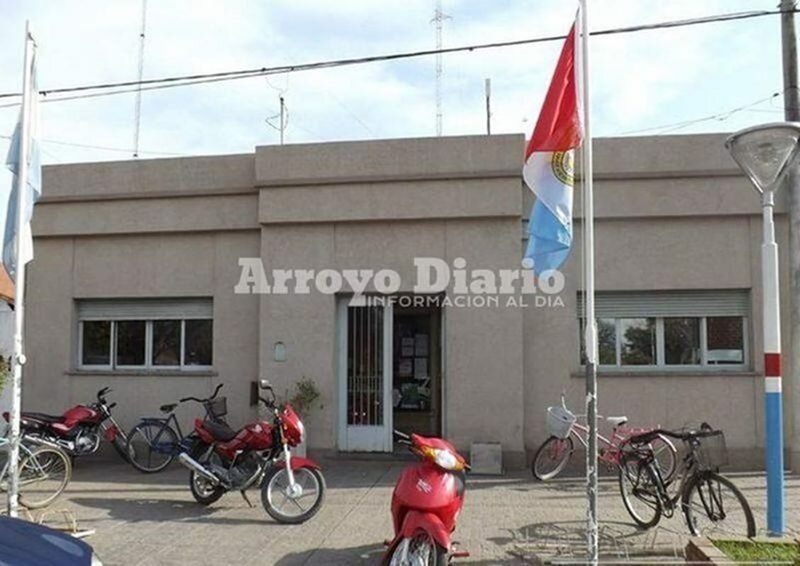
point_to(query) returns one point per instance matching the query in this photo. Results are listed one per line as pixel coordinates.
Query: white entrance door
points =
(365, 377)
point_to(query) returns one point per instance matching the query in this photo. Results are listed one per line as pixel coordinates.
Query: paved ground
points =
(153, 520)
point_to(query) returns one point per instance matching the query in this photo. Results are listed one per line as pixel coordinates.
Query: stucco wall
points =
(178, 265)
(672, 213)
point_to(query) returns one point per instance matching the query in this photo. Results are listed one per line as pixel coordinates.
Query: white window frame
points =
(110, 363)
(148, 365)
(147, 337)
(193, 367)
(180, 347)
(661, 365)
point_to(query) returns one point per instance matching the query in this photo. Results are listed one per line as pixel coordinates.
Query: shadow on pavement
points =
(371, 556)
(160, 510)
(567, 539)
(359, 555)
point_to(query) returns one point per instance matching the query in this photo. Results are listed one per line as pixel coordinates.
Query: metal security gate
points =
(365, 354)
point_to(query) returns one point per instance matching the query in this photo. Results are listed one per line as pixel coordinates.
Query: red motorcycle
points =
(425, 504)
(79, 430)
(223, 459)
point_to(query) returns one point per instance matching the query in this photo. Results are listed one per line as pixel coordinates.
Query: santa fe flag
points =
(548, 169)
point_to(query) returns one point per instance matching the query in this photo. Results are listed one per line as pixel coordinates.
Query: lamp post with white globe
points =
(766, 153)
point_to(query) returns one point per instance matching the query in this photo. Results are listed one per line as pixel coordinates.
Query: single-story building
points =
(161, 278)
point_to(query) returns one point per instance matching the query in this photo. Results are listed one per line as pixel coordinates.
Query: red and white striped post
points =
(773, 396)
(766, 153)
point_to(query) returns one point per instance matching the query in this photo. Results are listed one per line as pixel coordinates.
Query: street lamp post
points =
(766, 153)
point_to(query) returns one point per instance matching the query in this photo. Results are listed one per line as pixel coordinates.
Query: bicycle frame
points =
(165, 423)
(686, 471)
(611, 454)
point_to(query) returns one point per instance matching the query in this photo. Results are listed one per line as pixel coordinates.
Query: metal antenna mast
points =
(439, 18)
(137, 117)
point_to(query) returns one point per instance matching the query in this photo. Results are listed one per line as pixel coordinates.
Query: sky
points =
(642, 83)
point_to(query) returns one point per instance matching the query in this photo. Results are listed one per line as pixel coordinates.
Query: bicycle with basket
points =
(564, 428)
(710, 502)
(155, 441)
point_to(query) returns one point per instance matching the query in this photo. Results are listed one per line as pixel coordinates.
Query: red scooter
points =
(223, 459)
(425, 504)
(80, 429)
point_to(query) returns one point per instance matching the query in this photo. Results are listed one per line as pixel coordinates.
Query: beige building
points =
(137, 262)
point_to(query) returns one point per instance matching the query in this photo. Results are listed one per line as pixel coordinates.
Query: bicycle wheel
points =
(713, 506)
(151, 446)
(638, 488)
(666, 457)
(551, 458)
(43, 474)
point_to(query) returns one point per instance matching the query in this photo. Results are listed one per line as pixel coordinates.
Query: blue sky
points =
(639, 81)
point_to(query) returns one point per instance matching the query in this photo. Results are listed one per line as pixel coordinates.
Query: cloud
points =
(638, 80)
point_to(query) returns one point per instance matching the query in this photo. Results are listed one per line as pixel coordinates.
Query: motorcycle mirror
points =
(265, 384)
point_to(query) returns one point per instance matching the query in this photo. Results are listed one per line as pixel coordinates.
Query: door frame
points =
(386, 441)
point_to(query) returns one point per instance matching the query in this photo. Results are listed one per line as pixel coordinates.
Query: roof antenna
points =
(439, 18)
(137, 116)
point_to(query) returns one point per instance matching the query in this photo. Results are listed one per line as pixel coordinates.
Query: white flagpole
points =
(591, 322)
(18, 359)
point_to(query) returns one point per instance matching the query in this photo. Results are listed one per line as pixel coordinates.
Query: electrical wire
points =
(103, 147)
(720, 116)
(188, 80)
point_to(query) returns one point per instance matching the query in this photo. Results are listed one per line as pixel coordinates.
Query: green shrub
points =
(304, 396)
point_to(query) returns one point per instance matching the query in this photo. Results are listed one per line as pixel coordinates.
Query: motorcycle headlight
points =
(445, 459)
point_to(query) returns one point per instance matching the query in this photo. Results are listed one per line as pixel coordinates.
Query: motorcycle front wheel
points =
(419, 550)
(287, 504)
(203, 490)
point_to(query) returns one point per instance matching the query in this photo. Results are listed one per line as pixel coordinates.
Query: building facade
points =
(162, 278)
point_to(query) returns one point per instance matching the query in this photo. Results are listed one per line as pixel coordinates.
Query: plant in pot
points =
(303, 399)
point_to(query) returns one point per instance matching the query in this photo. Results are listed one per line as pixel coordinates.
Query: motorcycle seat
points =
(168, 407)
(219, 430)
(42, 417)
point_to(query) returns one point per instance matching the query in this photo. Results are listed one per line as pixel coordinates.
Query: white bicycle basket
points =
(560, 421)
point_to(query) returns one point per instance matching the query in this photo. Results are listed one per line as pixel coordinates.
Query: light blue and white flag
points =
(33, 188)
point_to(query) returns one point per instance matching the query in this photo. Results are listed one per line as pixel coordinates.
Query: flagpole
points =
(18, 359)
(591, 322)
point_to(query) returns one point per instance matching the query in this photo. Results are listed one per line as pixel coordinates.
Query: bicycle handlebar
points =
(203, 400)
(648, 437)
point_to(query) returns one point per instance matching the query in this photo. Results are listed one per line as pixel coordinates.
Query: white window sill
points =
(142, 372)
(664, 372)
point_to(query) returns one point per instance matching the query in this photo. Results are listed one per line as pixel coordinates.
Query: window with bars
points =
(145, 334)
(671, 330)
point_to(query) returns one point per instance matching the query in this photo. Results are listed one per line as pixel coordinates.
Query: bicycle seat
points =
(617, 421)
(168, 407)
(219, 430)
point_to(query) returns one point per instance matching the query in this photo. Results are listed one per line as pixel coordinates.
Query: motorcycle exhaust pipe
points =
(41, 441)
(197, 467)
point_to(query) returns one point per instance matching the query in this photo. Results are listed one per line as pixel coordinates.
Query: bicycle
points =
(44, 471)
(709, 501)
(155, 441)
(562, 424)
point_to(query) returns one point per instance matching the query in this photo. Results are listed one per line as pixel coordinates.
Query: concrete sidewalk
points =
(153, 520)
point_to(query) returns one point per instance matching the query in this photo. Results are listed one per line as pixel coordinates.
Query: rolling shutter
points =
(144, 309)
(727, 302)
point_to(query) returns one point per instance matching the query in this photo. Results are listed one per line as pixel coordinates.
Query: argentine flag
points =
(8, 197)
(548, 169)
